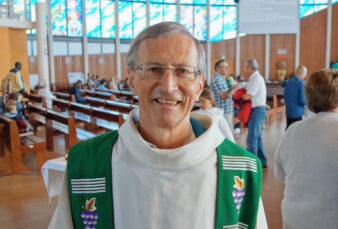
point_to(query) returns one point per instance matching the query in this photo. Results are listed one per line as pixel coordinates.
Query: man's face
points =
(248, 71)
(222, 68)
(166, 102)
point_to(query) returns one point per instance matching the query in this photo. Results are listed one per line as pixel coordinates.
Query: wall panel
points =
(286, 42)
(312, 41)
(334, 35)
(253, 47)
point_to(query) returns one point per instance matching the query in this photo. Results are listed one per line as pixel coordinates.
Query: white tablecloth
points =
(52, 172)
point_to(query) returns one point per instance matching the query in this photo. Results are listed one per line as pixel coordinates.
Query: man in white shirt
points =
(256, 91)
(170, 169)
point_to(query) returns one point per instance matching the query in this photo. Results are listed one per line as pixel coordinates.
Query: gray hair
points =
(163, 29)
(253, 64)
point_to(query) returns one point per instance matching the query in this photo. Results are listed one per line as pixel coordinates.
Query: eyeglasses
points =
(156, 71)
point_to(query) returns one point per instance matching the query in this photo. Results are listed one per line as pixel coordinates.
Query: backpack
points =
(6, 84)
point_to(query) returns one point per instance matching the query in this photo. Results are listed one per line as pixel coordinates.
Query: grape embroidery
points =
(239, 192)
(89, 215)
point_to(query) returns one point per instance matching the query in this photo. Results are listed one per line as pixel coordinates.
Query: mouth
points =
(167, 102)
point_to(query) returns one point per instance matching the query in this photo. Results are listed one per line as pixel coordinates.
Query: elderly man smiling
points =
(168, 169)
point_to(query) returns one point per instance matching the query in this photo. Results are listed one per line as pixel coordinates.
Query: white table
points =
(52, 172)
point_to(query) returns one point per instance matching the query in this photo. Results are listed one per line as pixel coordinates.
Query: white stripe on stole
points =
(239, 163)
(88, 185)
(236, 226)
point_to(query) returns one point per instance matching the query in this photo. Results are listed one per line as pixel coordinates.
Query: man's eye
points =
(182, 71)
(154, 69)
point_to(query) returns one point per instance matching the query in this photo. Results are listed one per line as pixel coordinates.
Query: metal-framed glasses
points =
(156, 71)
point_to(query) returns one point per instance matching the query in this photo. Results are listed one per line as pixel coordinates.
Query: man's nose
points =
(168, 81)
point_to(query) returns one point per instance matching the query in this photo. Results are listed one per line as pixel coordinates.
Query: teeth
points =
(169, 102)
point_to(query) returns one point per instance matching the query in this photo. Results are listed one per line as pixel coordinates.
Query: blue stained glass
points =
(156, 13)
(229, 22)
(126, 20)
(306, 2)
(305, 10)
(107, 19)
(200, 23)
(3, 2)
(320, 1)
(186, 1)
(170, 12)
(59, 17)
(334, 1)
(74, 18)
(93, 18)
(139, 17)
(216, 21)
(216, 2)
(319, 7)
(187, 17)
(229, 2)
(169, 1)
(19, 9)
(156, 1)
(200, 2)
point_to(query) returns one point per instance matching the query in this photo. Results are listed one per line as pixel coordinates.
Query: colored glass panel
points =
(200, 2)
(320, 2)
(126, 20)
(74, 18)
(229, 22)
(334, 1)
(170, 12)
(59, 17)
(306, 1)
(200, 23)
(169, 1)
(19, 9)
(93, 18)
(319, 7)
(156, 13)
(305, 10)
(216, 22)
(186, 1)
(187, 19)
(139, 17)
(108, 18)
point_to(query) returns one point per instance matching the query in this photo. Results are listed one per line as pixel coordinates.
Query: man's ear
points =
(201, 83)
(131, 80)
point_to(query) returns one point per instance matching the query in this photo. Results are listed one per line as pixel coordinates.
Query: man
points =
(223, 91)
(76, 90)
(256, 91)
(294, 96)
(161, 170)
(13, 82)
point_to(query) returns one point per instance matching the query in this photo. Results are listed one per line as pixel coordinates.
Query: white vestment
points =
(161, 188)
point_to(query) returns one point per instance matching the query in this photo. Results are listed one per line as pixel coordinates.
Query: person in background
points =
(103, 84)
(76, 90)
(12, 107)
(92, 82)
(43, 91)
(306, 159)
(208, 106)
(256, 91)
(13, 82)
(294, 96)
(113, 84)
(97, 80)
(222, 91)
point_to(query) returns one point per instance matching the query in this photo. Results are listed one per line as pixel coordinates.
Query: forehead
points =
(223, 64)
(170, 50)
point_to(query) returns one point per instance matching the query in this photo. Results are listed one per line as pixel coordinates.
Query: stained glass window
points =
(74, 18)
(216, 21)
(139, 18)
(170, 12)
(59, 17)
(156, 13)
(19, 9)
(200, 23)
(107, 19)
(229, 22)
(187, 17)
(126, 20)
(93, 18)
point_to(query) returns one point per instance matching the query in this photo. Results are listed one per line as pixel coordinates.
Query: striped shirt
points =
(218, 85)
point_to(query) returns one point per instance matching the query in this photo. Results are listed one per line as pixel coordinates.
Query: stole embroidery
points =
(239, 192)
(89, 215)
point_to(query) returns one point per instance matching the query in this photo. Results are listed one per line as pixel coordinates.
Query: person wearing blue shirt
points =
(103, 84)
(76, 90)
(294, 96)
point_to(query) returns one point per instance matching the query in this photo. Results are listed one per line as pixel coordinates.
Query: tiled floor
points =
(24, 202)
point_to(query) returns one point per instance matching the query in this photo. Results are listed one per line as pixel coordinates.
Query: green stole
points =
(89, 179)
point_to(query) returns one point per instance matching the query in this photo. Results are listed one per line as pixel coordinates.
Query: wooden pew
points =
(113, 119)
(95, 102)
(18, 146)
(60, 104)
(83, 113)
(118, 106)
(64, 124)
(38, 99)
(64, 96)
